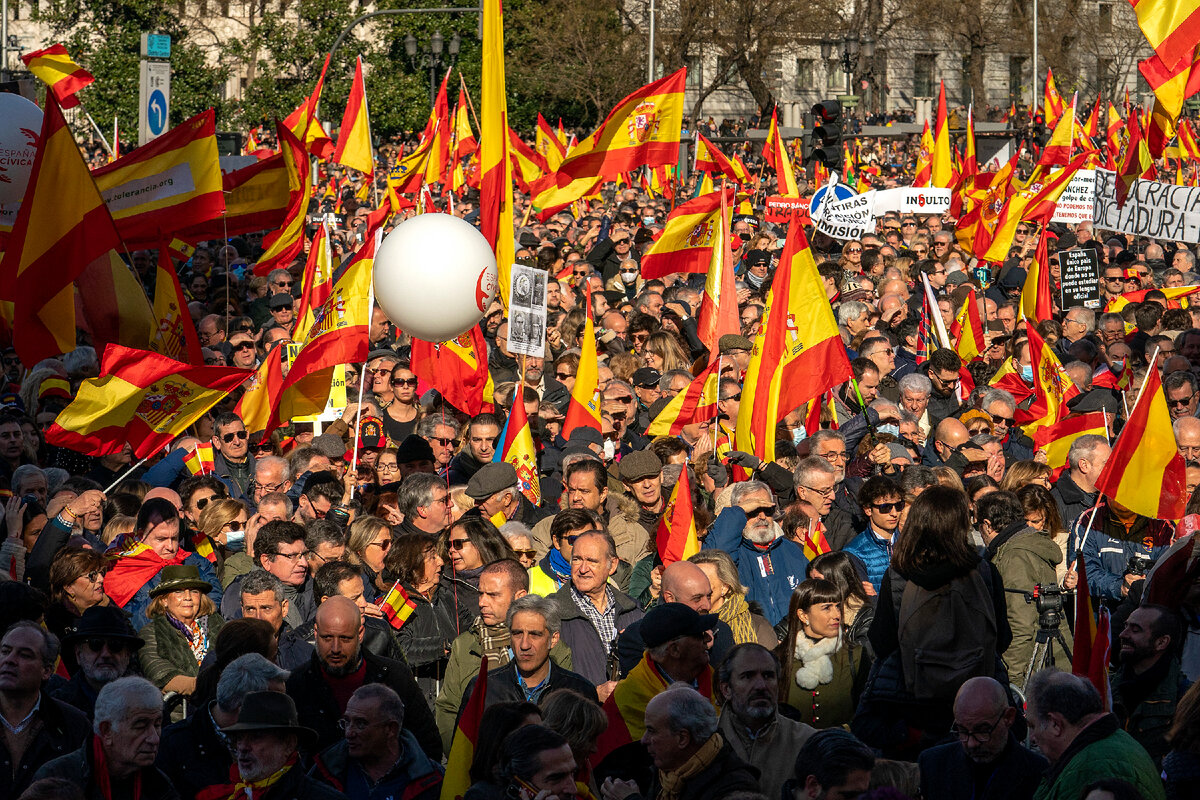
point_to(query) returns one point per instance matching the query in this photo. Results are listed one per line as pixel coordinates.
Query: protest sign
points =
(1157, 210)
(527, 311)
(847, 219)
(1077, 200)
(1080, 270)
(782, 210)
(911, 200)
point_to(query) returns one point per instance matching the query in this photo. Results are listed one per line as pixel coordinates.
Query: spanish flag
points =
(257, 198)
(1173, 293)
(718, 313)
(1137, 164)
(1189, 148)
(263, 390)
(1092, 646)
(457, 369)
(923, 175)
(943, 168)
(354, 138)
(516, 448)
(584, 408)
(281, 246)
(466, 736)
(626, 706)
(304, 125)
(1056, 439)
(1035, 203)
(1171, 26)
(397, 606)
(1145, 472)
(642, 130)
(710, 159)
(967, 330)
(199, 460)
(1052, 101)
(495, 181)
(464, 138)
(528, 166)
(1036, 301)
(1091, 127)
(1053, 388)
(166, 185)
(815, 543)
(113, 305)
(549, 198)
(437, 168)
(62, 226)
(696, 403)
(798, 353)
(317, 280)
(775, 154)
(142, 399)
(548, 145)
(409, 172)
(1059, 148)
(676, 537)
(62, 76)
(1171, 86)
(686, 244)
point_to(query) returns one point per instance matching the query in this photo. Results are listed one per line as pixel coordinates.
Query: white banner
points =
(847, 219)
(912, 200)
(1078, 200)
(1157, 210)
(527, 311)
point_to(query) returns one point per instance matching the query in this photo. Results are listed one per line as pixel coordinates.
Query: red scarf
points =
(135, 570)
(101, 776)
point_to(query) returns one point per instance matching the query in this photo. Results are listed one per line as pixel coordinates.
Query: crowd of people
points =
(308, 619)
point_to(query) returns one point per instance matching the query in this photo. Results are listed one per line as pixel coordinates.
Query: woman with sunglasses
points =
(222, 523)
(76, 584)
(370, 541)
(401, 416)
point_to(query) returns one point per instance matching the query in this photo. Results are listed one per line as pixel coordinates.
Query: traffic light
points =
(827, 134)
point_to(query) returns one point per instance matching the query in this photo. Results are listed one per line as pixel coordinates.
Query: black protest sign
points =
(1080, 270)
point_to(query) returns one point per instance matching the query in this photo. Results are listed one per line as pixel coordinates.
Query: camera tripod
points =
(1048, 600)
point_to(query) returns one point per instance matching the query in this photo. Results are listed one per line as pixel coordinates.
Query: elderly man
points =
(1082, 741)
(915, 389)
(37, 727)
(748, 681)
(832, 764)
(641, 472)
(377, 758)
(340, 665)
(442, 433)
(496, 490)
(585, 485)
(425, 503)
(834, 447)
(1187, 437)
(987, 762)
(266, 742)
(1075, 490)
(1182, 397)
(681, 731)
(593, 612)
(769, 565)
(194, 753)
(553, 570)
(816, 481)
(270, 476)
(533, 626)
(104, 646)
(1002, 408)
(117, 761)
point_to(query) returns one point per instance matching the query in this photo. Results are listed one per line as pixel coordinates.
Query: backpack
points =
(947, 635)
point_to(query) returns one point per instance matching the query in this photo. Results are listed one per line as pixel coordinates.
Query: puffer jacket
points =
(875, 552)
(1025, 557)
(769, 574)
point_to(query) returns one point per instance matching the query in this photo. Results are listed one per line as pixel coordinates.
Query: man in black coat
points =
(323, 686)
(533, 624)
(987, 762)
(104, 646)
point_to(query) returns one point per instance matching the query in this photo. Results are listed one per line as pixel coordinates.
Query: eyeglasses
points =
(835, 455)
(562, 376)
(823, 492)
(346, 725)
(525, 553)
(458, 544)
(229, 437)
(384, 546)
(270, 488)
(888, 508)
(404, 381)
(387, 467)
(1183, 401)
(444, 442)
(243, 346)
(981, 735)
(761, 511)
(379, 371)
(292, 557)
(1006, 420)
(115, 646)
(203, 501)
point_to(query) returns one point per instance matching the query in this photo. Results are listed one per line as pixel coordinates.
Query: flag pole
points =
(362, 376)
(126, 473)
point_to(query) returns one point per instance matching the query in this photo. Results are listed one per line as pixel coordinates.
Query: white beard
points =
(762, 534)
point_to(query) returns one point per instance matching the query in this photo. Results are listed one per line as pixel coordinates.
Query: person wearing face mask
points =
(1115, 372)
(628, 280)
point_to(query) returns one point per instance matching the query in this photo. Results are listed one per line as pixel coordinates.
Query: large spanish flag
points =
(718, 314)
(464, 139)
(495, 180)
(1056, 439)
(457, 369)
(280, 247)
(584, 408)
(1175, 297)
(1035, 203)
(263, 390)
(62, 226)
(171, 183)
(1145, 472)
(943, 166)
(798, 353)
(53, 66)
(1052, 102)
(1171, 26)
(317, 281)
(257, 198)
(923, 174)
(676, 538)
(516, 448)
(528, 165)
(141, 398)
(1037, 304)
(354, 138)
(696, 403)
(466, 736)
(1053, 388)
(437, 168)
(688, 238)
(1059, 148)
(626, 706)
(113, 305)
(775, 153)
(642, 130)
(175, 333)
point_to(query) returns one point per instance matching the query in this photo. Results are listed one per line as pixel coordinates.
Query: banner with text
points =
(847, 219)
(1078, 199)
(912, 200)
(1157, 210)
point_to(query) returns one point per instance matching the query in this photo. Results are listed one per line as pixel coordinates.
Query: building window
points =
(834, 77)
(1106, 12)
(1016, 77)
(695, 73)
(923, 67)
(805, 79)
(1104, 69)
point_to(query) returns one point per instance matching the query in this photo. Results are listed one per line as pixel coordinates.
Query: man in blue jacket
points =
(882, 501)
(769, 565)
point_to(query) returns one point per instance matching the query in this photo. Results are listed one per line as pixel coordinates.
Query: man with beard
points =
(987, 761)
(748, 681)
(1150, 682)
(104, 643)
(769, 565)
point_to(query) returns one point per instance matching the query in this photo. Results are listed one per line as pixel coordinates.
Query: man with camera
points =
(1118, 547)
(1025, 559)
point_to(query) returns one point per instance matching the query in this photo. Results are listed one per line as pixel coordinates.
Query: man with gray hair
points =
(534, 626)
(425, 503)
(117, 761)
(915, 389)
(29, 479)
(769, 565)
(854, 317)
(270, 475)
(681, 729)
(194, 753)
(1001, 406)
(1075, 490)
(1083, 742)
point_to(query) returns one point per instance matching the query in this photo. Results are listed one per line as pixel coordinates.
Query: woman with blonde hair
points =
(1025, 473)
(183, 624)
(728, 600)
(370, 541)
(223, 523)
(117, 526)
(663, 352)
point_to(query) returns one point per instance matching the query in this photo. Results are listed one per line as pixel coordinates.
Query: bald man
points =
(1187, 437)
(987, 762)
(948, 438)
(682, 582)
(340, 665)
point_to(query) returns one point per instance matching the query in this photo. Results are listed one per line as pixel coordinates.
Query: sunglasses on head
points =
(229, 437)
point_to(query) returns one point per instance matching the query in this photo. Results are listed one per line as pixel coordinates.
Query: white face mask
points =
(629, 277)
(610, 450)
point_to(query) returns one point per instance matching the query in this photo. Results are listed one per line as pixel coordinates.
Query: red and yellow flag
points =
(528, 166)
(625, 708)
(1171, 26)
(1137, 164)
(1053, 388)
(62, 76)
(280, 247)
(967, 329)
(257, 198)
(457, 369)
(641, 131)
(688, 238)
(775, 154)
(1059, 148)
(263, 390)
(354, 138)
(199, 460)
(397, 606)
(549, 147)
(1052, 101)
(113, 305)
(718, 313)
(142, 399)
(1037, 304)
(304, 125)
(923, 175)
(495, 182)
(1145, 472)
(943, 168)
(1092, 646)
(466, 737)
(438, 134)
(798, 353)
(696, 403)
(584, 408)
(676, 539)
(175, 333)
(710, 159)
(1056, 439)
(464, 138)
(516, 448)
(1034, 203)
(166, 185)
(62, 226)
(317, 281)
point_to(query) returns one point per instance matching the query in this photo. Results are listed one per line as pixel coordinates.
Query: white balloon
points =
(435, 276)
(20, 127)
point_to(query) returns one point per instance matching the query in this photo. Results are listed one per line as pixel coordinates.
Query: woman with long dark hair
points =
(858, 608)
(412, 568)
(471, 544)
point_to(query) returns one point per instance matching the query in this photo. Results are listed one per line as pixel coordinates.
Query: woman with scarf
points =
(728, 600)
(823, 673)
(183, 624)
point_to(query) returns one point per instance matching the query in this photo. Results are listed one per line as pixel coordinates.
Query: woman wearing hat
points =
(183, 624)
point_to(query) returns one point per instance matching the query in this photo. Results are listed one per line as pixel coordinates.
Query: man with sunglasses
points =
(1002, 408)
(104, 645)
(943, 370)
(441, 431)
(882, 501)
(1182, 397)
(987, 761)
(232, 460)
(242, 351)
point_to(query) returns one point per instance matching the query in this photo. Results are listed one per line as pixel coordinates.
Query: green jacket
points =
(463, 666)
(1101, 750)
(1024, 558)
(166, 652)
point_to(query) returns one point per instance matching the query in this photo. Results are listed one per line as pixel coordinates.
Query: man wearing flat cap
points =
(496, 490)
(641, 472)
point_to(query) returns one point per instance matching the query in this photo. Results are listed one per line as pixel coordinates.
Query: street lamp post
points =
(431, 57)
(852, 47)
